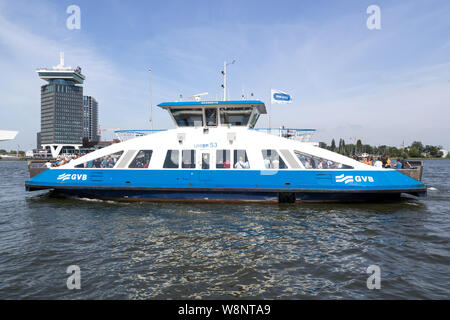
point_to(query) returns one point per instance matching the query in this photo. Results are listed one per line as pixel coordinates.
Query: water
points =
(223, 251)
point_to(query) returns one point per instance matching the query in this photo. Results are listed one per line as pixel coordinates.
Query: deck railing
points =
(124, 135)
(303, 135)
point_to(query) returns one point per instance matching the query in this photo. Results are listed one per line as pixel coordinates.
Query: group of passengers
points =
(385, 162)
(272, 162)
(62, 160)
(319, 163)
(103, 162)
(241, 164)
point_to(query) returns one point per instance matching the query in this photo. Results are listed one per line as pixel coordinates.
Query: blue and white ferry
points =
(215, 154)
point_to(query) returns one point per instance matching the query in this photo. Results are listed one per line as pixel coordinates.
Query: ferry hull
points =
(233, 196)
(237, 185)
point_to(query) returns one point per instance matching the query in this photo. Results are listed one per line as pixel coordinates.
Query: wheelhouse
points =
(243, 113)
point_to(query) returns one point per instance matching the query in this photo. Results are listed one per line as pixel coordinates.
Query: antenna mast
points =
(150, 93)
(224, 74)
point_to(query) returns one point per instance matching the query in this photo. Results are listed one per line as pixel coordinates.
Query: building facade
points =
(61, 106)
(90, 119)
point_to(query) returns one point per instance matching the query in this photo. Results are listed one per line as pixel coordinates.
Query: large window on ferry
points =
(211, 116)
(142, 159)
(272, 160)
(188, 117)
(254, 118)
(223, 159)
(105, 162)
(235, 116)
(313, 162)
(241, 160)
(188, 159)
(172, 159)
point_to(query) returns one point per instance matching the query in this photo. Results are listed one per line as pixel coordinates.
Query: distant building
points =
(61, 107)
(90, 119)
(38, 140)
(444, 153)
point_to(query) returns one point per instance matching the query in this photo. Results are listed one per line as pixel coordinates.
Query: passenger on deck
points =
(399, 164)
(267, 162)
(240, 164)
(308, 164)
(406, 164)
(378, 163)
(275, 163)
(226, 164)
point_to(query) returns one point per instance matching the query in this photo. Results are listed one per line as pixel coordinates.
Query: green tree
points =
(418, 145)
(333, 145)
(414, 152)
(358, 146)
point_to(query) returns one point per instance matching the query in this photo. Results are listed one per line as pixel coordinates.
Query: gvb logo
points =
(68, 176)
(74, 280)
(374, 280)
(347, 179)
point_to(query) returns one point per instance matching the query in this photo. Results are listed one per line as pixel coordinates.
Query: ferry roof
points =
(230, 103)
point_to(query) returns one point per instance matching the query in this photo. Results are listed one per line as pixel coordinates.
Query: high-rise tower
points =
(61, 107)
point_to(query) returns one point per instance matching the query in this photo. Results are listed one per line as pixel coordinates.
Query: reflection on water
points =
(167, 251)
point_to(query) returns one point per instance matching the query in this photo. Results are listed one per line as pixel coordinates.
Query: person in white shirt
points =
(378, 163)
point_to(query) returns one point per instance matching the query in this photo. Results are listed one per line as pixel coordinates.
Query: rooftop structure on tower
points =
(61, 72)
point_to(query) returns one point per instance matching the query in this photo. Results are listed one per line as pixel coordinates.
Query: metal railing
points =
(303, 135)
(124, 135)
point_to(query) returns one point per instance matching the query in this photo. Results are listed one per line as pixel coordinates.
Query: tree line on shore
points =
(415, 150)
(12, 152)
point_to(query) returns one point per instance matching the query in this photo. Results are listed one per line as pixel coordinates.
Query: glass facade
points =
(61, 113)
(90, 118)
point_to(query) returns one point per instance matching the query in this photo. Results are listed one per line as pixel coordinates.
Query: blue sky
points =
(382, 86)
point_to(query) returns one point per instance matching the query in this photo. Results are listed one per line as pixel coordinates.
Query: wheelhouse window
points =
(172, 159)
(223, 159)
(272, 160)
(241, 160)
(188, 159)
(188, 117)
(105, 162)
(313, 162)
(142, 159)
(211, 117)
(235, 116)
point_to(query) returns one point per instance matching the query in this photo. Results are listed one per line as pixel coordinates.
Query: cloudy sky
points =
(382, 86)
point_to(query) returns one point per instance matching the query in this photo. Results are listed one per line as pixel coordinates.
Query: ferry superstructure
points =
(215, 154)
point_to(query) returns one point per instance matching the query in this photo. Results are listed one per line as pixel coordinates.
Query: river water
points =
(223, 251)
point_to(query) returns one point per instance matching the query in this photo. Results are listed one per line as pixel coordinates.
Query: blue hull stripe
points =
(226, 184)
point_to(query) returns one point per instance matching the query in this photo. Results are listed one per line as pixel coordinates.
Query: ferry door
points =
(204, 163)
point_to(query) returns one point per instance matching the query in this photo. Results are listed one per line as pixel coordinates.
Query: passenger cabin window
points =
(223, 159)
(188, 159)
(172, 159)
(235, 116)
(211, 116)
(188, 117)
(142, 159)
(205, 161)
(313, 162)
(241, 160)
(272, 160)
(105, 162)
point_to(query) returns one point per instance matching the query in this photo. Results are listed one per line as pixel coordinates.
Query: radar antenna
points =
(198, 97)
